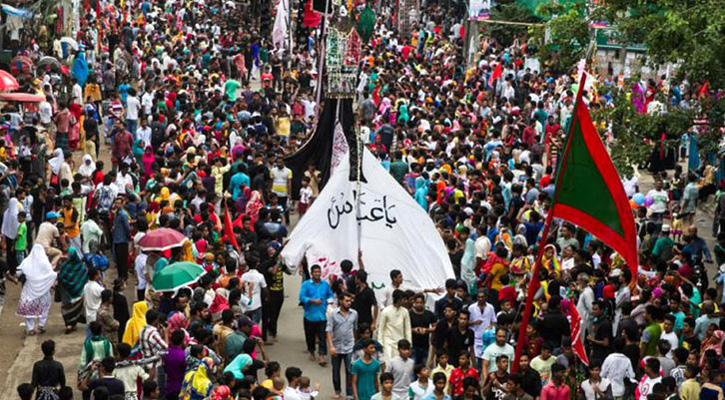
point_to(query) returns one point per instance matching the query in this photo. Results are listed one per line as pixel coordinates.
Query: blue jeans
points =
(131, 125)
(337, 360)
(255, 315)
(420, 355)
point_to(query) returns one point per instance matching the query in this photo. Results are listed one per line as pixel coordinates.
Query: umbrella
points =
(70, 42)
(161, 239)
(21, 64)
(22, 97)
(7, 82)
(50, 61)
(176, 276)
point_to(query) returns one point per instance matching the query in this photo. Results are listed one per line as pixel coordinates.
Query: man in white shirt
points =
(77, 93)
(659, 206)
(144, 133)
(92, 295)
(147, 101)
(483, 317)
(616, 368)
(259, 284)
(133, 106)
(45, 109)
(123, 178)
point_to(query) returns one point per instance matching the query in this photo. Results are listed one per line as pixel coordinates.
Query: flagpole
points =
(535, 279)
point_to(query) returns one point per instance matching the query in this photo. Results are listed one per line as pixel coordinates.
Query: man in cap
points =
(47, 234)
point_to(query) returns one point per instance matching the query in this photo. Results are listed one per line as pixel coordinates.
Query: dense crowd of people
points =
(167, 88)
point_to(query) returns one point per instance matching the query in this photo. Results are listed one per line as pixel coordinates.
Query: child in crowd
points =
(306, 391)
(21, 241)
(305, 196)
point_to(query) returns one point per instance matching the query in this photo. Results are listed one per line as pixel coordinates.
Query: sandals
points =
(31, 332)
(69, 329)
(41, 330)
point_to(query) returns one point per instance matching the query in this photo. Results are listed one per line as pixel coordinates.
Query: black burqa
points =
(318, 148)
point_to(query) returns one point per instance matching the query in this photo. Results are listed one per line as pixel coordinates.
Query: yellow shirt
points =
(72, 228)
(282, 126)
(690, 390)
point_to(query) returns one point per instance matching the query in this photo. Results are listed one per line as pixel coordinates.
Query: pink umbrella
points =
(8, 82)
(22, 97)
(161, 239)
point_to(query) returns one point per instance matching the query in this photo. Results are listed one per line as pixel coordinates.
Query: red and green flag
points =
(589, 194)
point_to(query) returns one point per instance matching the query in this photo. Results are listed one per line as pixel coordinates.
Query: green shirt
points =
(398, 169)
(21, 241)
(230, 89)
(233, 344)
(366, 374)
(663, 248)
(651, 338)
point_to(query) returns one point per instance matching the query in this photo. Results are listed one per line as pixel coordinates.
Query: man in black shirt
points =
(554, 326)
(48, 374)
(364, 302)
(531, 379)
(422, 322)
(449, 299)
(601, 334)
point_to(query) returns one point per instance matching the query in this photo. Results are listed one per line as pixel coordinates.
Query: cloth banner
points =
(396, 233)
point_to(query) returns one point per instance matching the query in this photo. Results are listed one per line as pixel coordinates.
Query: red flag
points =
(576, 335)
(228, 230)
(703, 91)
(496, 74)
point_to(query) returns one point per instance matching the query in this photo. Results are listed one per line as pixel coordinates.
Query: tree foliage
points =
(564, 37)
(688, 31)
(511, 12)
(636, 135)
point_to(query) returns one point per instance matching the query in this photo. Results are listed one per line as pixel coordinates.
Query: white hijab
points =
(87, 169)
(10, 220)
(57, 161)
(38, 273)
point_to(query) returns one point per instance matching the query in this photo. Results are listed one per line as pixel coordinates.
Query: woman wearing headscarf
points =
(72, 277)
(136, 323)
(87, 167)
(147, 159)
(177, 321)
(56, 162)
(714, 339)
(197, 385)
(35, 298)
(10, 232)
(550, 260)
(421, 192)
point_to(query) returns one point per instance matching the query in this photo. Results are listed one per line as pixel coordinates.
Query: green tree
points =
(635, 136)
(510, 12)
(691, 32)
(564, 37)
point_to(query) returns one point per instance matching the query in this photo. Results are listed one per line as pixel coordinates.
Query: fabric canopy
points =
(395, 232)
